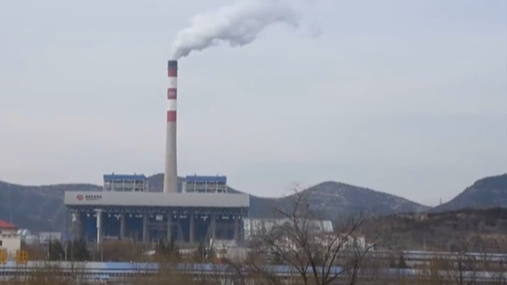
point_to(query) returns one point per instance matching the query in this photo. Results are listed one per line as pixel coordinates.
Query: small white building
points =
(46, 237)
(253, 227)
(346, 242)
(10, 240)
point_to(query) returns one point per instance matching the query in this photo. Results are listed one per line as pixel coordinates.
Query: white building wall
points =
(253, 227)
(238, 254)
(344, 241)
(46, 237)
(11, 241)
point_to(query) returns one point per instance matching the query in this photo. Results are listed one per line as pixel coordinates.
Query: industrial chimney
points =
(171, 171)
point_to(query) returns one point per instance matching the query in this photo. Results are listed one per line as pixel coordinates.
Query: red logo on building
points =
(80, 197)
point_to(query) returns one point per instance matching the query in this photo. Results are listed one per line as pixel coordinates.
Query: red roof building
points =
(7, 226)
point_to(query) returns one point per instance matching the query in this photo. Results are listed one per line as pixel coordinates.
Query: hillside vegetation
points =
(475, 229)
(488, 192)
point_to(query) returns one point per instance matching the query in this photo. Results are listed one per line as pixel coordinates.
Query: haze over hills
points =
(40, 208)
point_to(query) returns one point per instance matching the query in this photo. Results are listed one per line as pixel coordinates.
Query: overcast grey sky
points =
(405, 97)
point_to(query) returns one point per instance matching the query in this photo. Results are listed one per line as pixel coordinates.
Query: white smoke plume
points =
(237, 24)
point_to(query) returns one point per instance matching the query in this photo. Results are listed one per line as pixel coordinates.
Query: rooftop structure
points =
(125, 183)
(205, 184)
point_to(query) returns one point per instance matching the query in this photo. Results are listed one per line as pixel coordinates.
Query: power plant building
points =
(125, 209)
(151, 216)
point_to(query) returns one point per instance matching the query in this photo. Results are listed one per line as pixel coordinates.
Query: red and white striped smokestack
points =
(171, 171)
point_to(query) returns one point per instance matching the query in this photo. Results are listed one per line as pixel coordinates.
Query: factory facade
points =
(204, 210)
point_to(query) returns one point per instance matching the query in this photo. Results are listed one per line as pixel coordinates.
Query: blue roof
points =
(124, 177)
(217, 179)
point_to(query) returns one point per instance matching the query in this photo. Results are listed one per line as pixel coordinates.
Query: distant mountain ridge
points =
(40, 208)
(489, 192)
(484, 229)
(332, 199)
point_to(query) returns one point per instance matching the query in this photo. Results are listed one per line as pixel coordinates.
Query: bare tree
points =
(121, 250)
(499, 278)
(313, 258)
(34, 252)
(464, 268)
(48, 273)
